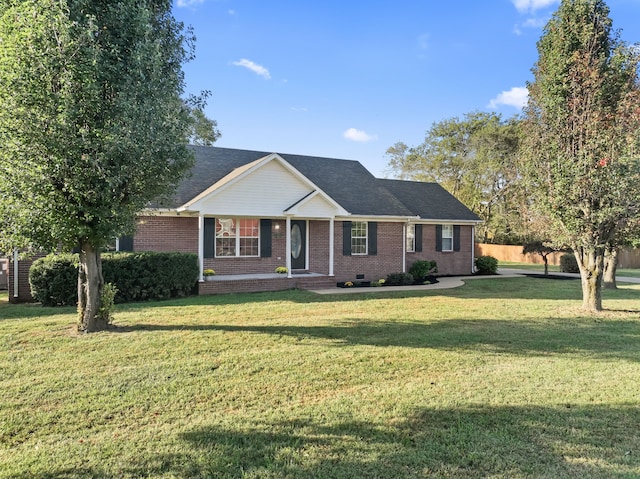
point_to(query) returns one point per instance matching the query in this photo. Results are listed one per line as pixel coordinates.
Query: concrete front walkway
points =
(447, 282)
(444, 282)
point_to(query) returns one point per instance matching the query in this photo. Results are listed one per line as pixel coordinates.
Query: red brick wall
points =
(373, 267)
(166, 234)
(449, 262)
(255, 265)
(319, 247)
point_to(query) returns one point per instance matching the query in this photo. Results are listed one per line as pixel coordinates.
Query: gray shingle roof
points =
(429, 200)
(349, 183)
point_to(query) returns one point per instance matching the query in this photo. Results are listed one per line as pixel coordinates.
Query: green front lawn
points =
(501, 378)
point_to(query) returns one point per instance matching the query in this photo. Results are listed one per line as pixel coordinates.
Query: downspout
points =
(331, 245)
(15, 273)
(201, 247)
(473, 249)
(404, 247)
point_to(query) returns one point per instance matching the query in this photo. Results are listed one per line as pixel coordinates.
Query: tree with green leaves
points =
(542, 248)
(475, 159)
(583, 130)
(93, 125)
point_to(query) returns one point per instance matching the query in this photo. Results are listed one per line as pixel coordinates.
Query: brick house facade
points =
(246, 213)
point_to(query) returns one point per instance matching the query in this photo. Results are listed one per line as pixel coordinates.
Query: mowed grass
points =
(500, 378)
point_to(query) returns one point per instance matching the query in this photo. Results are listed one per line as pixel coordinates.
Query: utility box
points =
(4, 273)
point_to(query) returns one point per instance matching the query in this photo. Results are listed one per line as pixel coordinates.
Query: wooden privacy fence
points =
(628, 258)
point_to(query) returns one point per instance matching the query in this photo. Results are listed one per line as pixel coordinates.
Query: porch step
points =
(315, 282)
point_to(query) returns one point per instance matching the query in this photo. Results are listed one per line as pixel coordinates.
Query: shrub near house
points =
(136, 276)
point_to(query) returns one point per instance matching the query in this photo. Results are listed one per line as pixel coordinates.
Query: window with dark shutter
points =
(456, 238)
(209, 237)
(346, 238)
(125, 243)
(372, 237)
(438, 237)
(418, 238)
(265, 238)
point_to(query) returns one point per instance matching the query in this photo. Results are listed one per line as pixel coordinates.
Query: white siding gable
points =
(316, 206)
(266, 191)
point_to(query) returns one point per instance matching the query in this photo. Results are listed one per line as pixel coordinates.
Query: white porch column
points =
(331, 245)
(201, 246)
(288, 249)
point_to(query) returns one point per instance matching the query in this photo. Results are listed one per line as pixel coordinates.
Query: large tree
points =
(583, 130)
(92, 124)
(474, 158)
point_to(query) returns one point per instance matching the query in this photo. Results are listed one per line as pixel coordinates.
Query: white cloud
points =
(423, 41)
(254, 67)
(189, 3)
(530, 6)
(358, 135)
(516, 97)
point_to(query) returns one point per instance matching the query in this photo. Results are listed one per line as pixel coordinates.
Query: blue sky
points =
(348, 79)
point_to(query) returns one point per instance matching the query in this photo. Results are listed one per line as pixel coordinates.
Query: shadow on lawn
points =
(565, 441)
(495, 287)
(607, 339)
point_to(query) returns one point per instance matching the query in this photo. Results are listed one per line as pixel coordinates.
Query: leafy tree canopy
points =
(583, 129)
(473, 158)
(92, 121)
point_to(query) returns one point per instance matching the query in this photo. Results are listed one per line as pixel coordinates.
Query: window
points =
(411, 238)
(237, 237)
(447, 237)
(359, 237)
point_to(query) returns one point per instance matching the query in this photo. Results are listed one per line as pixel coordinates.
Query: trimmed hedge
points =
(137, 276)
(147, 275)
(422, 269)
(399, 279)
(54, 280)
(569, 263)
(486, 265)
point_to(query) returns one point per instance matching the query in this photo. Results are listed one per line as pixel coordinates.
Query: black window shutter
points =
(456, 238)
(265, 238)
(418, 238)
(372, 234)
(346, 238)
(125, 243)
(438, 237)
(209, 237)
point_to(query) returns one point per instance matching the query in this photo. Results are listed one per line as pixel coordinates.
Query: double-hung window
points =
(358, 237)
(411, 238)
(237, 237)
(447, 237)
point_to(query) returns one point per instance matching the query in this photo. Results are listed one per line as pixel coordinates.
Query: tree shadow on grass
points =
(606, 339)
(565, 441)
(487, 288)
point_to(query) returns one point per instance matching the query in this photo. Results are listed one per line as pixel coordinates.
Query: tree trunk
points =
(90, 284)
(546, 265)
(591, 264)
(610, 267)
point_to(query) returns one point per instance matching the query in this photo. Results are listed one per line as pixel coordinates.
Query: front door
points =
(298, 244)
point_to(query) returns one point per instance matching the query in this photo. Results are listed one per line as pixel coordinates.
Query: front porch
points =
(249, 283)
